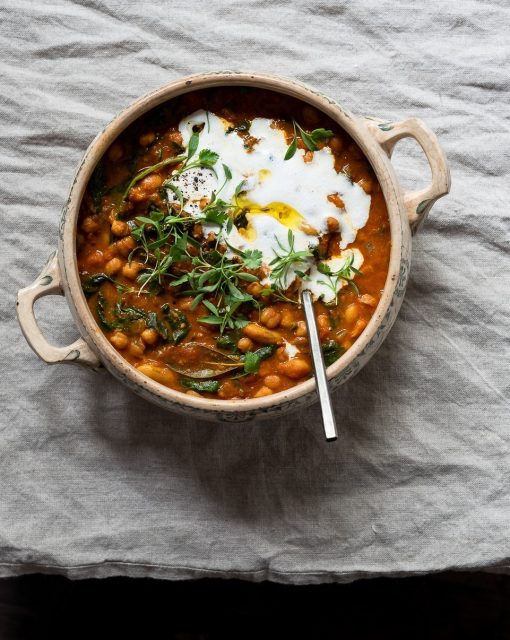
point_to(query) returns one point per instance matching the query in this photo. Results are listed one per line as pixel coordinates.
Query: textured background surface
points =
(96, 482)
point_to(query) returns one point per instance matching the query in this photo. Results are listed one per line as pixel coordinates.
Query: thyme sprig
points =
(285, 259)
(214, 277)
(345, 273)
(215, 281)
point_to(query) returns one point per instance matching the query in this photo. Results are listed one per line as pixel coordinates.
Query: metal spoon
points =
(328, 417)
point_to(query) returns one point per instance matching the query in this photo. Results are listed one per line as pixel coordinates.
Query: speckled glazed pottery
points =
(407, 211)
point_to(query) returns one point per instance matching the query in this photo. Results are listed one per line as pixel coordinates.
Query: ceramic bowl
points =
(407, 210)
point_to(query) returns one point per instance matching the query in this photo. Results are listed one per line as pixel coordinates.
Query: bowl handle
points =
(49, 284)
(417, 203)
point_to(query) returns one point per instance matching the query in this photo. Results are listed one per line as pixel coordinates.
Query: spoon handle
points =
(328, 417)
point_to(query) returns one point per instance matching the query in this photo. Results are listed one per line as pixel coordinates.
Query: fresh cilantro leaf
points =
(207, 158)
(252, 258)
(251, 362)
(252, 359)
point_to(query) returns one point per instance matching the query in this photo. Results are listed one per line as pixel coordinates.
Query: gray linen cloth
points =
(96, 482)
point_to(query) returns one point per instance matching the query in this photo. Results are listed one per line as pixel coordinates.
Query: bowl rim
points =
(112, 359)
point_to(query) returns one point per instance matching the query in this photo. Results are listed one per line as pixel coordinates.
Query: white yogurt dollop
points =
(278, 194)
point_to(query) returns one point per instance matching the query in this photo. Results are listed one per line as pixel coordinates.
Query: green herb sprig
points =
(215, 282)
(346, 273)
(286, 258)
(311, 140)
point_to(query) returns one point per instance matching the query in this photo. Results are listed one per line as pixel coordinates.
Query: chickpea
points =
(270, 317)
(274, 382)
(110, 252)
(267, 367)
(160, 374)
(203, 203)
(333, 225)
(145, 187)
(115, 152)
(119, 340)
(301, 330)
(147, 138)
(151, 182)
(130, 271)
(245, 344)
(336, 144)
(361, 323)
(120, 228)
(281, 354)
(227, 390)
(323, 325)
(113, 266)
(90, 224)
(185, 303)
(351, 313)
(149, 336)
(136, 348)
(95, 259)
(261, 335)
(254, 289)
(125, 246)
(369, 300)
(295, 368)
(288, 320)
(198, 231)
(136, 194)
(262, 392)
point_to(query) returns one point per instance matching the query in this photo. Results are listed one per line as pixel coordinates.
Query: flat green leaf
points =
(307, 139)
(207, 157)
(203, 386)
(318, 135)
(210, 320)
(227, 172)
(252, 258)
(291, 149)
(251, 362)
(193, 145)
(211, 307)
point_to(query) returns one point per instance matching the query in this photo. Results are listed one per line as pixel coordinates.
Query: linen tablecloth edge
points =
(181, 573)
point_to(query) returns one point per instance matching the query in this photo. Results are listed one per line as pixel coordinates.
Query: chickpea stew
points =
(203, 223)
